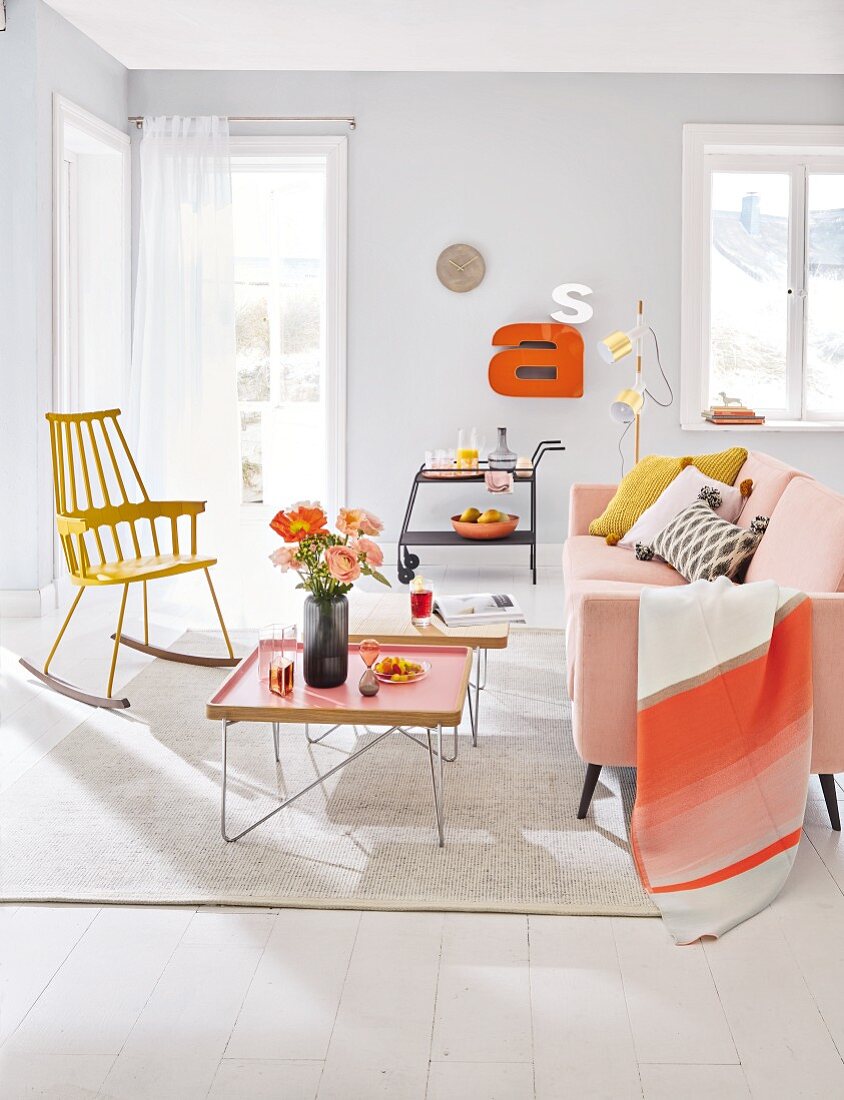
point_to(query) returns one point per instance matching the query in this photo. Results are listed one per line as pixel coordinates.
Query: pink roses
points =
(371, 551)
(284, 558)
(357, 521)
(343, 563)
(328, 563)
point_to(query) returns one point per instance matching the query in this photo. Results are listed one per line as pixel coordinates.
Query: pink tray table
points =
(434, 702)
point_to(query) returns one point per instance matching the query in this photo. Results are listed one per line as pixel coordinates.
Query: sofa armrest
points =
(586, 502)
(603, 649)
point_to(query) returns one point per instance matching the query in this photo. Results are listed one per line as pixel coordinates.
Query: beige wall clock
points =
(460, 268)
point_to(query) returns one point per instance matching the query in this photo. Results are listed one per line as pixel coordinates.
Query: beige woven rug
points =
(126, 808)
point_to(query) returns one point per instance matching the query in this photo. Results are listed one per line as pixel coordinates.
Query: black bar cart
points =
(408, 561)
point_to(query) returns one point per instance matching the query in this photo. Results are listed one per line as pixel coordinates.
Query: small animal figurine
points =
(729, 400)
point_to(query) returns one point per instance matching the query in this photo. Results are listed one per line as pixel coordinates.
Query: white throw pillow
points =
(682, 492)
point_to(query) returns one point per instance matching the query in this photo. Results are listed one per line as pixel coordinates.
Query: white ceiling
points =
(627, 36)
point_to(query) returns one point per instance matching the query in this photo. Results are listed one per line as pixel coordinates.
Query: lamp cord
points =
(620, 441)
(670, 401)
(656, 401)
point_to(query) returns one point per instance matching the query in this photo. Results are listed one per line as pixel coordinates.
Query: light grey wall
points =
(555, 178)
(44, 54)
(18, 291)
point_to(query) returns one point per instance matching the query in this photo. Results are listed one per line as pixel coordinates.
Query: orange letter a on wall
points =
(553, 369)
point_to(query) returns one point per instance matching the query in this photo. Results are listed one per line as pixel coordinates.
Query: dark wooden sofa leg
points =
(589, 784)
(829, 793)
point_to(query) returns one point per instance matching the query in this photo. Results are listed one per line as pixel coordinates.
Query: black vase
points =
(326, 643)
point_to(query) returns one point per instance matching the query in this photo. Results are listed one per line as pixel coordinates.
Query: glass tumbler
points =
(421, 602)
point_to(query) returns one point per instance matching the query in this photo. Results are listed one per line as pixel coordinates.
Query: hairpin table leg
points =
(437, 779)
(320, 779)
(475, 690)
(322, 736)
(418, 741)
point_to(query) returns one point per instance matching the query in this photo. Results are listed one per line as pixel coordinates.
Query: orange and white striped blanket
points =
(724, 749)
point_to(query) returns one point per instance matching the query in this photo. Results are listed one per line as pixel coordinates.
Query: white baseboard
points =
(28, 603)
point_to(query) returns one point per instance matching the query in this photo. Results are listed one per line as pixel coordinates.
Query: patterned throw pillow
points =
(702, 546)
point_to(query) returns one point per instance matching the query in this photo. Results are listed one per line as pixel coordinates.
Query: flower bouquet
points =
(328, 565)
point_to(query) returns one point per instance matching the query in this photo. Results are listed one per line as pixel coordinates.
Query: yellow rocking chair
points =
(91, 444)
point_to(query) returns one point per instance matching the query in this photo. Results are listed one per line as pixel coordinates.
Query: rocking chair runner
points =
(90, 530)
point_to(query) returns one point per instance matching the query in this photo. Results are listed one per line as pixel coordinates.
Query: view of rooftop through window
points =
(751, 287)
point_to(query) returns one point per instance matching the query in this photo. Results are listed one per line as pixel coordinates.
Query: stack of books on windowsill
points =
(732, 414)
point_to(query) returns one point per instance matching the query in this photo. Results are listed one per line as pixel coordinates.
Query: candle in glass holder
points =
(282, 660)
(281, 676)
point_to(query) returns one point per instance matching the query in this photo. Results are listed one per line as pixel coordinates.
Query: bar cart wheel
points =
(408, 563)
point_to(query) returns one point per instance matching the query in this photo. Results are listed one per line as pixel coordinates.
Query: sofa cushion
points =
(804, 544)
(588, 558)
(650, 477)
(770, 478)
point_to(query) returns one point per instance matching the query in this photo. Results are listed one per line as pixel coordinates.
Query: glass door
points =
(290, 378)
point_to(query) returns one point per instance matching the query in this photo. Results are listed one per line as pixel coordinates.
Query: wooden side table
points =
(386, 616)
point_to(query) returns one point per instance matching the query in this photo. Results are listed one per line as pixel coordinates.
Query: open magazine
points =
(480, 607)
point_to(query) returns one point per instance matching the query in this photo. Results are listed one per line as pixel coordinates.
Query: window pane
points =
(825, 295)
(252, 334)
(749, 285)
(279, 240)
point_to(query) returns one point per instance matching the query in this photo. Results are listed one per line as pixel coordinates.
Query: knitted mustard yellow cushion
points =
(649, 478)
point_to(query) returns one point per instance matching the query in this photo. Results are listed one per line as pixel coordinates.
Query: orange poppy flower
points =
(299, 522)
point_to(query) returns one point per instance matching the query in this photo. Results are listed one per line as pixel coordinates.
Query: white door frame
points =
(67, 113)
(65, 380)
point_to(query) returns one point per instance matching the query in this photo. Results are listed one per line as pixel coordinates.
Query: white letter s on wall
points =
(580, 311)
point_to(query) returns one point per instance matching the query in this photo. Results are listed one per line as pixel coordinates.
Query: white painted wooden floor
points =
(151, 1002)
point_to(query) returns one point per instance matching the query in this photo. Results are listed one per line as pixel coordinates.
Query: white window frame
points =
(334, 150)
(759, 148)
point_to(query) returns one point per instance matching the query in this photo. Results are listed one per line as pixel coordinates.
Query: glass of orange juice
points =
(467, 449)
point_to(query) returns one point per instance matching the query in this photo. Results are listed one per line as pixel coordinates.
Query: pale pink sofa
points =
(803, 547)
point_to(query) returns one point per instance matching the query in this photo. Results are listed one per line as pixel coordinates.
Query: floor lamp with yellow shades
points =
(103, 513)
(628, 404)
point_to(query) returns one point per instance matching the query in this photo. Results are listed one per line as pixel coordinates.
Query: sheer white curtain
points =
(183, 407)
